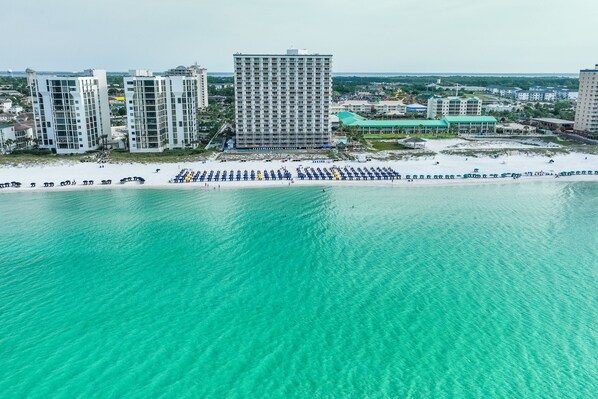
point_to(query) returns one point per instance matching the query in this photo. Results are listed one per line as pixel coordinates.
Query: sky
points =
(420, 36)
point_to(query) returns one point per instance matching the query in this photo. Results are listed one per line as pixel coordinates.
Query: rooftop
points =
(351, 119)
(590, 70)
(553, 120)
(470, 119)
(356, 102)
(389, 102)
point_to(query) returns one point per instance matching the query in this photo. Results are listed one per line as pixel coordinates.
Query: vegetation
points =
(386, 145)
(40, 156)
(402, 136)
(177, 155)
(558, 109)
(417, 84)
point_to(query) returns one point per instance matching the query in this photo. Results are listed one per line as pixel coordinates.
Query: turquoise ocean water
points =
(440, 292)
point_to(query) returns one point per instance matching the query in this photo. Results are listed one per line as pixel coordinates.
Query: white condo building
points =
(201, 74)
(71, 111)
(162, 110)
(586, 112)
(439, 107)
(390, 107)
(283, 101)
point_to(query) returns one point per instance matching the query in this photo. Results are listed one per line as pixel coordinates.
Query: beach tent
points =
(413, 142)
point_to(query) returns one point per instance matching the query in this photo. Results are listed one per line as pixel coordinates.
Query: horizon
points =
(490, 37)
(9, 72)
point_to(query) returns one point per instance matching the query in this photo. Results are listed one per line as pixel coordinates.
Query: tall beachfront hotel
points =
(71, 111)
(586, 111)
(162, 110)
(283, 101)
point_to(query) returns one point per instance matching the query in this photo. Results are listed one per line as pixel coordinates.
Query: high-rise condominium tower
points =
(162, 110)
(283, 101)
(71, 111)
(586, 112)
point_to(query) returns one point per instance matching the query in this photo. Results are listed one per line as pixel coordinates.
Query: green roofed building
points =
(475, 125)
(456, 124)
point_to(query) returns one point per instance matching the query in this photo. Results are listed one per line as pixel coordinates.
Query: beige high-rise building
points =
(283, 101)
(586, 112)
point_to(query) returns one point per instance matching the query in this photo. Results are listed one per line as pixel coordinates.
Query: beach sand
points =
(447, 164)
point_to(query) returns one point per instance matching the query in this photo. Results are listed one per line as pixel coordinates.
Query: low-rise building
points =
(23, 135)
(5, 104)
(7, 117)
(498, 108)
(472, 124)
(535, 95)
(360, 106)
(566, 94)
(453, 106)
(389, 107)
(15, 109)
(25, 116)
(335, 108)
(416, 108)
(514, 129)
(7, 137)
(464, 125)
(552, 123)
(502, 91)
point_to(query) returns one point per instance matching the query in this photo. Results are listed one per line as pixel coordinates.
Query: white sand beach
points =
(432, 165)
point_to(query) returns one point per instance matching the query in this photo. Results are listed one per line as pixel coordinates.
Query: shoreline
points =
(236, 185)
(157, 175)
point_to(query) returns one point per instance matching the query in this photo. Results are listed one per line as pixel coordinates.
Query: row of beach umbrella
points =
(347, 173)
(189, 176)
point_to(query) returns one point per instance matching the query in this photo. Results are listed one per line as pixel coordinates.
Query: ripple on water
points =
(352, 292)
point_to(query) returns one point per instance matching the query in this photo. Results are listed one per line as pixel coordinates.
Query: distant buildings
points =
(162, 110)
(586, 113)
(71, 111)
(439, 107)
(384, 107)
(15, 109)
(391, 107)
(358, 106)
(282, 101)
(499, 108)
(5, 104)
(503, 91)
(535, 93)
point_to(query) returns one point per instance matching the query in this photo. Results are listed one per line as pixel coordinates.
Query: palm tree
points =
(8, 144)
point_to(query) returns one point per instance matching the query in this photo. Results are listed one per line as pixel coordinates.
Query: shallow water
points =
(444, 292)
